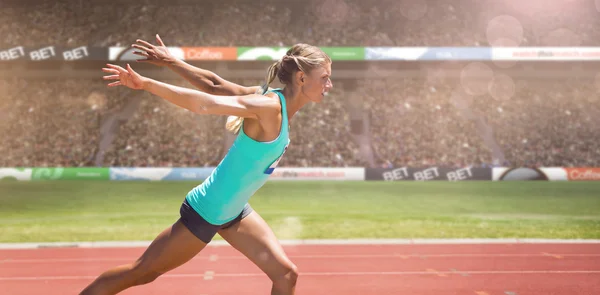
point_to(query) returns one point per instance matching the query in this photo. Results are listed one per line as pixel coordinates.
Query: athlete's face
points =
(317, 83)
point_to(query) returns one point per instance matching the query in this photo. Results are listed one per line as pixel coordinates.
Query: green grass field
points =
(105, 211)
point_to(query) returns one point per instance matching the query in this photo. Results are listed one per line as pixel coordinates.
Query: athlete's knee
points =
(292, 275)
(147, 277)
(287, 279)
(144, 273)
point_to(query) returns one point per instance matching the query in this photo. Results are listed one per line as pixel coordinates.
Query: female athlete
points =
(220, 203)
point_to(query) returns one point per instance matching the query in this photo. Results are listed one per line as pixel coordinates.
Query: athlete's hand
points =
(156, 55)
(126, 77)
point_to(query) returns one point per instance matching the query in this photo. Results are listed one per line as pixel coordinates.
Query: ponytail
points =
(234, 123)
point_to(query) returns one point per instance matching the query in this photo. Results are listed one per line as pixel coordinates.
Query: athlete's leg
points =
(171, 248)
(253, 237)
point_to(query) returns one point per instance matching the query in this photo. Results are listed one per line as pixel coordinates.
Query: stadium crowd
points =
(412, 121)
(541, 123)
(32, 23)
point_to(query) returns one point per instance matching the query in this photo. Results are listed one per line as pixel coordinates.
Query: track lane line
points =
(326, 256)
(358, 273)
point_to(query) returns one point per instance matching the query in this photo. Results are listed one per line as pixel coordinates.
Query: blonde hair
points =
(301, 57)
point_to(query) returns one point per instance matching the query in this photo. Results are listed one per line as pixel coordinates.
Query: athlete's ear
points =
(300, 77)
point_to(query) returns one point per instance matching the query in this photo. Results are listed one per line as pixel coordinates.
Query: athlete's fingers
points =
(141, 53)
(113, 84)
(160, 42)
(145, 43)
(110, 71)
(112, 77)
(140, 47)
(118, 68)
(131, 71)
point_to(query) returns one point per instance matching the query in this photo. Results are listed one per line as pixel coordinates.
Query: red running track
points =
(466, 269)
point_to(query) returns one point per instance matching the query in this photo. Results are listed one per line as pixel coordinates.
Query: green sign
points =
(275, 53)
(345, 53)
(83, 173)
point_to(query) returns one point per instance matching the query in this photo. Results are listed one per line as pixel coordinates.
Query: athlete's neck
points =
(294, 100)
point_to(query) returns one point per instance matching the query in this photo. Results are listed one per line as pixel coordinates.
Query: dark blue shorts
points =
(201, 228)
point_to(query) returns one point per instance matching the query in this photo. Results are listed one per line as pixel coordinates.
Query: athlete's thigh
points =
(253, 237)
(173, 247)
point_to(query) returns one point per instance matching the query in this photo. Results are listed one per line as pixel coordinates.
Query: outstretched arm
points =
(208, 81)
(247, 106)
(202, 79)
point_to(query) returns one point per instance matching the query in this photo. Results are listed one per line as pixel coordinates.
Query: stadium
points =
(458, 151)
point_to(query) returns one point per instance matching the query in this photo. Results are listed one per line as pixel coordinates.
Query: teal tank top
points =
(246, 167)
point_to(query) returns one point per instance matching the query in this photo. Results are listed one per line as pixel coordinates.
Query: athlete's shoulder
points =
(274, 101)
(265, 101)
(247, 90)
